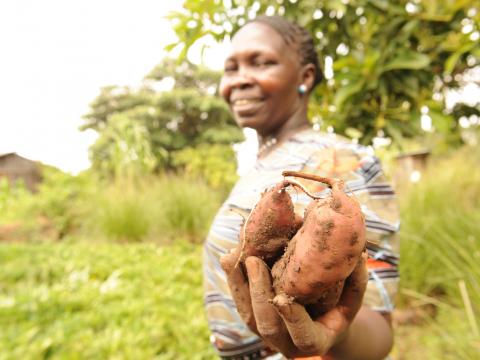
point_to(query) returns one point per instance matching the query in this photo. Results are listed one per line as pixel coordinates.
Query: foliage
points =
(184, 208)
(441, 232)
(56, 209)
(155, 208)
(61, 199)
(14, 199)
(215, 163)
(78, 301)
(391, 60)
(158, 209)
(448, 337)
(121, 216)
(124, 149)
(160, 120)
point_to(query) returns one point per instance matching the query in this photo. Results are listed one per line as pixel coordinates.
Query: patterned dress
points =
(313, 152)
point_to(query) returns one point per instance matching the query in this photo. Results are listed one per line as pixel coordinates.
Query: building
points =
(15, 168)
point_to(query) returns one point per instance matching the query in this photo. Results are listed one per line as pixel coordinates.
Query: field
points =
(102, 301)
(107, 292)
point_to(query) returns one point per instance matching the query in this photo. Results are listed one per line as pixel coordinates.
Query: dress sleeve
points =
(364, 177)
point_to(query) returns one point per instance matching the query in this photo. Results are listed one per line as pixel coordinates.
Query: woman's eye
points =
(229, 68)
(264, 63)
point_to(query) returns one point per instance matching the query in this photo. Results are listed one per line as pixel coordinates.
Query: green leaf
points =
(452, 60)
(408, 60)
(171, 46)
(442, 122)
(353, 133)
(346, 92)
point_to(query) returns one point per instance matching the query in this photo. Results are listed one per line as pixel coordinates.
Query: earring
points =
(302, 89)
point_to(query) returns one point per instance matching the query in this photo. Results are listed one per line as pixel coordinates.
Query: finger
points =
(354, 289)
(239, 288)
(269, 324)
(310, 337)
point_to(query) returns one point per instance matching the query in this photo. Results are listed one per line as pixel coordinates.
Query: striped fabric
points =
(313, 152)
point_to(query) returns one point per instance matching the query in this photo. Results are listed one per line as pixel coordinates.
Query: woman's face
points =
(261, 78)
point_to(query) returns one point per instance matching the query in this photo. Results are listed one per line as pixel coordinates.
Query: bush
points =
(216, 164)
(184, 208)
(55, 210)
(158, 209)
(122, 216)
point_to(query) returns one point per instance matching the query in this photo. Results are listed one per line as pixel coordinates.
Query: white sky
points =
(54, 57)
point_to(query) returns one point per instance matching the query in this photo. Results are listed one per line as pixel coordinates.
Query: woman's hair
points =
(296, 35)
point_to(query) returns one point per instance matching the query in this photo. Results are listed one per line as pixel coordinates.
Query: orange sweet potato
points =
(269, 226)
(325, 250)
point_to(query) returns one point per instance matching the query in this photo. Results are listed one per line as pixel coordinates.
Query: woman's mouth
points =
(247, 107)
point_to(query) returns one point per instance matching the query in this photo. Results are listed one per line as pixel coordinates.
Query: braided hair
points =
(296, 35)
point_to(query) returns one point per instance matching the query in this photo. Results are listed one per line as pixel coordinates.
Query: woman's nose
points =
(243, 78)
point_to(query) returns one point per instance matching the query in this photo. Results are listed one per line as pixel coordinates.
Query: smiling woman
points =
(269, 74)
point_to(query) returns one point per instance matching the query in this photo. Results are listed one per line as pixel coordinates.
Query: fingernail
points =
(282, 304)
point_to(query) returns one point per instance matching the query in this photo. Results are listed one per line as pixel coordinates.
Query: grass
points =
(447, 337)
(441, 230)
(161, 208)
(440, 253)
(77, 301)
(153, 209)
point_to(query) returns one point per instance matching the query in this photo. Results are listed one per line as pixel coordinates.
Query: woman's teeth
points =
(245, 101)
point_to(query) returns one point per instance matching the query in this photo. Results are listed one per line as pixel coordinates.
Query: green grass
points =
(77, 301)
(440, 257)
(157, 208)
(440, 244)
(448, 337)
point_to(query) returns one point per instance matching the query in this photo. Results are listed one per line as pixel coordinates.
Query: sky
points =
(55, 57)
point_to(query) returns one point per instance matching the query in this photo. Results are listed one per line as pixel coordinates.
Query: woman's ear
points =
(308, 76)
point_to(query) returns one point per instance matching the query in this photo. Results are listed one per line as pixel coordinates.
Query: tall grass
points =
(158, 209)
(441, 228)
(183, 207)
(440, 254)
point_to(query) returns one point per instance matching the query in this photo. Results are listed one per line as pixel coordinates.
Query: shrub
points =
(158, 208)
(215, 164)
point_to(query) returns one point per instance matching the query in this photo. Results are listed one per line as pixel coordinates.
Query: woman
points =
(269, 74)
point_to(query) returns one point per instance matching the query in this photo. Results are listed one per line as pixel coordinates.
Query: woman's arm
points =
(369, 336)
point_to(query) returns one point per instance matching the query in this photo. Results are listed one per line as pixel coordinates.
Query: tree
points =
(147, 127)
(392, 61)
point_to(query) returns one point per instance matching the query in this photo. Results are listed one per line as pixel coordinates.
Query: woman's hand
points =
(287, 326)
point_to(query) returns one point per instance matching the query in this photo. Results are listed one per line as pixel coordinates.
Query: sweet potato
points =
(325, 250)
(269, 226)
